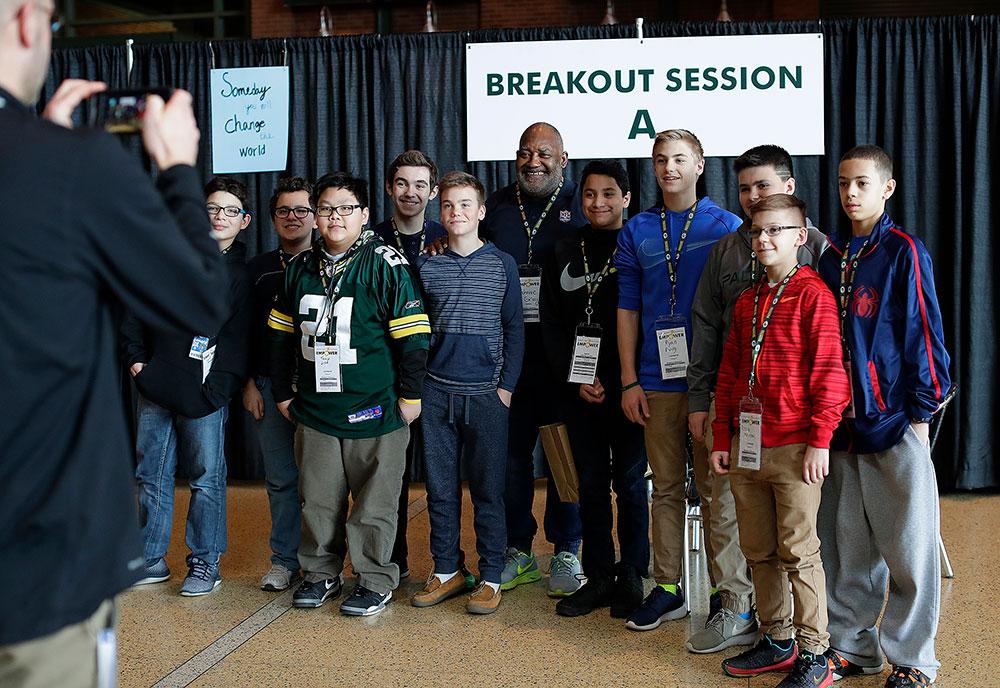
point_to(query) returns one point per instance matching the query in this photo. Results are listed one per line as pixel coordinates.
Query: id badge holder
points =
(671, 344)
(327, 368)
(849, 410)
(199, 345)
(751, 413)
(531, 290)
(586, 350)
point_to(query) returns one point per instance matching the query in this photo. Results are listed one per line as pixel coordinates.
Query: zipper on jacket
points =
(875, 386)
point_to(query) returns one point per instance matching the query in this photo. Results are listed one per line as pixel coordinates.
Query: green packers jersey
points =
(376, 316)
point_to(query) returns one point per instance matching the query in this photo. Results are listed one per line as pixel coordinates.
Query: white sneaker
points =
(278, 578)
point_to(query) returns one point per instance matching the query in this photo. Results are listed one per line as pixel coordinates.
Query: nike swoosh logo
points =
(654, 247)
(569, 283)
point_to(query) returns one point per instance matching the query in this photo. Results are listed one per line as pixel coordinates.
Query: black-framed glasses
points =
(772, 231)
(342, 210)
(299, 211)
(229, 210)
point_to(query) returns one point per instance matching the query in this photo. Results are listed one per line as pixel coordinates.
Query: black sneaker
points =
(310, 595)
(627, 595)
(841, 667)
(596, 593)
(808, 671)
(767, 655)
(906, 677)
(364, 602)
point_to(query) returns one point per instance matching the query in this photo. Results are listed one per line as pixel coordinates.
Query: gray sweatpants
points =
(878, 525)
(371, 469)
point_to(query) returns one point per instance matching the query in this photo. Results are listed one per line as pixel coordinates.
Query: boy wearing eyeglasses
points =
(185, 383)
(294, 221)
(349, 326)
(781, 391)
(731, 267)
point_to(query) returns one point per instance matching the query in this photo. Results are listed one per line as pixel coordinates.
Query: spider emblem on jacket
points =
(865, 302)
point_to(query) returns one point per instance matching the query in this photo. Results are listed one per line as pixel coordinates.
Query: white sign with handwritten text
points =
(249, 119)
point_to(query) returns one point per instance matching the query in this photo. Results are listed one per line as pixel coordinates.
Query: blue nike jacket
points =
(899, 365)
(644, 283)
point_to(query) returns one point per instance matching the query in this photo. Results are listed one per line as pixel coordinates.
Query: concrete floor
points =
(242, 636)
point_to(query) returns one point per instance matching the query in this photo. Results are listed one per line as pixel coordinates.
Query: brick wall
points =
(270, 18)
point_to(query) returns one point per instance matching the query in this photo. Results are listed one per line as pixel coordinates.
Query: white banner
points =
(609, 97)
(249, 119)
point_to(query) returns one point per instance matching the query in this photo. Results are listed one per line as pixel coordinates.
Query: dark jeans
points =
(609, 453)
(400, 552)
(454, 424)
(532, 406)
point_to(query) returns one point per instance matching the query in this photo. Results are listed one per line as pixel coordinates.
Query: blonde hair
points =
(680, 135)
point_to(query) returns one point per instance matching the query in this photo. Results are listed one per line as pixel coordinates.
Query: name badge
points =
(206, 363)
(327, 368)
(199, 345)
(849, 410)
(586, 350)
(751, 413)
(531, 290)
(671, 343)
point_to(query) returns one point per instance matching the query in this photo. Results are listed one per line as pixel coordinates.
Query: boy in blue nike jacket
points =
(879, 515)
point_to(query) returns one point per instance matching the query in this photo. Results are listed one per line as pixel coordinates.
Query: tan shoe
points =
(435, 591)
(483, 600)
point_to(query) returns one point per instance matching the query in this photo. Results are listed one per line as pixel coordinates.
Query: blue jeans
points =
(532, 406)
(163, 438)
(281, 478)
(457, 424)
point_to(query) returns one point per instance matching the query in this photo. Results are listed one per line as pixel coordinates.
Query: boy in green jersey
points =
(349, 354)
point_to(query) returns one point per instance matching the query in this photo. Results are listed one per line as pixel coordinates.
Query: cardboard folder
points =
(555, 441)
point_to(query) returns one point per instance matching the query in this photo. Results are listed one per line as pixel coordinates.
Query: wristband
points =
(630, 385)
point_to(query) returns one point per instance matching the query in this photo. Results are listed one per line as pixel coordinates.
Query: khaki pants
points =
(371, 469)
(777, 513)
(66, 658)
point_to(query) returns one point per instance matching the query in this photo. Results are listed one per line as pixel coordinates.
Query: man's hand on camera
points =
(169, 130)
(69, 95)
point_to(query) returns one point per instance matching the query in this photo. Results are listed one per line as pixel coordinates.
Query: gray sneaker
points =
(518, 567)
(156, 572)
(725, 629)
(566, 575)
(278, 578)
(202, 578)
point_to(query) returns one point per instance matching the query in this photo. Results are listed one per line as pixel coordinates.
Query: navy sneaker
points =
(808, 671)
(312, 594)
(906, 677)
(202, 578)
(659, 606)
(767, 655)
(156, 571)
(841, 667)
(364, 602)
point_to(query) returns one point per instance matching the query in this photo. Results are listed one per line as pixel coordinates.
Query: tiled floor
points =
(241, 636)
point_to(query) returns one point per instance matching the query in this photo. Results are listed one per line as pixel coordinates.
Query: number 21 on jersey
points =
(311, 306)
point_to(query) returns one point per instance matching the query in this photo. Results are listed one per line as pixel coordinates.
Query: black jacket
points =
(84, 231)
(266, 273)
(171, 378)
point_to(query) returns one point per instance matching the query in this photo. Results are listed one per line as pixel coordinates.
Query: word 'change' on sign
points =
(249, 119)
(610, 97)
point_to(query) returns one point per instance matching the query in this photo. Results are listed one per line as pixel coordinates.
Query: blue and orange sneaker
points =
(767, 655)
(808, 671)
(906, 677)
(841, 667)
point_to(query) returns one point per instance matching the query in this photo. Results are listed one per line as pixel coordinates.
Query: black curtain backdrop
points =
(927, 90)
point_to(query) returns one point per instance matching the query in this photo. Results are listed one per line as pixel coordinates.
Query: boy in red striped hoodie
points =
(783, 387)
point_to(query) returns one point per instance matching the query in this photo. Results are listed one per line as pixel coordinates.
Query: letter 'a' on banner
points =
(609, 97)
(249, 119)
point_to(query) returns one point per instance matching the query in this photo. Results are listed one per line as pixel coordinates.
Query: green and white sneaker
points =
(566, 574)
(519, 567)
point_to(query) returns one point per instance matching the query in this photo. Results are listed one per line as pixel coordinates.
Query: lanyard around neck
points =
(532, 231)
(674, 261)
(757, 338)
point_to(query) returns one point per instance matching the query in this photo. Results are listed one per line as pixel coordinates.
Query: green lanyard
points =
(674, 261)
(532, 231)
(593, 284)
(848, 270)
(399, 240)
(757, 338)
